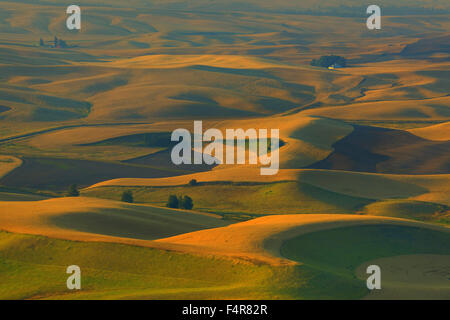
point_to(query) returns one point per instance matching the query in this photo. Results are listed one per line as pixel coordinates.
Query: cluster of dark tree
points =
(175, 202)
(327, 61)
(56, 43)
(180, 202)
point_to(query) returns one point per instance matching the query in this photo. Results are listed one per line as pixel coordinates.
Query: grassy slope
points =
(330, 248)
(381, 150)
(87, 219)
(8, 164)
(241, 199)
(114, 271)
(305, 144)
(297, 191)
(439, 132)
(305, 141)
(338, 253)
(411, 276)
(410, 209)
(434, 109)
(136, 222)
(57, 174)
(16, 196)
(260, 239)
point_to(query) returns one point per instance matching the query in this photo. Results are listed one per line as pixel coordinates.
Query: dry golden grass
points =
(438, 187)
(438, 132)
(38, 218)
(364, 185)
(307, 139)
(394, 90)
(428, 109)
(8, 164)
(174, 61)
(256, 240)
(235, 174)
(429, 188)
(85, 135)
(32, 217)
(395, 66)
(432, 188)
(260, 239)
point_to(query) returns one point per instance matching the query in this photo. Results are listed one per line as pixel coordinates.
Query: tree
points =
(73, 191)
(193, 183)
(173, 202)
(127, 196)
(187, 203)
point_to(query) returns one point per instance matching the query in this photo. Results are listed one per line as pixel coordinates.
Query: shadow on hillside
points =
(381, 150)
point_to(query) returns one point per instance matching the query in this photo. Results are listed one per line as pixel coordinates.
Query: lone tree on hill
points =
(73, 191)
(127, 196)
(193, 182)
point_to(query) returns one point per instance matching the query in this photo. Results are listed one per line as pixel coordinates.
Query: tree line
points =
(56, 43)
(174, 201)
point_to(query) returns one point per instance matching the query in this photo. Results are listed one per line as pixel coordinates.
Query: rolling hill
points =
(295, 269)
(364, 150)
(95, 219)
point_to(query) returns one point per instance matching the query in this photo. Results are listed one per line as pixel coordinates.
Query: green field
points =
(116, 271)
(242, 200)
(337, 253)
(409, 209)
